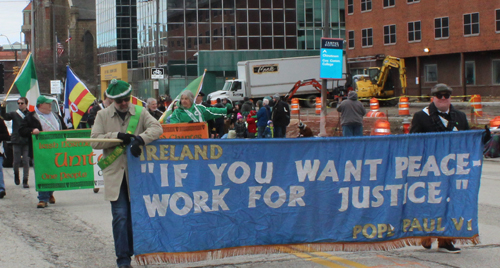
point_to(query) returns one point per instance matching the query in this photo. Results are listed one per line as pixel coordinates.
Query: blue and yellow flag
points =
(77, 98)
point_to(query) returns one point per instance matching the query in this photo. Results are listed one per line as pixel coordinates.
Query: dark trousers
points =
(279, 132)
(122, 226)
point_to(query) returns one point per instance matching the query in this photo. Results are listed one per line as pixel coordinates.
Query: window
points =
(367, 37)
(366, 5)
(390, 34)
(414, 32)
(389, 3)
(412, 1)
(431, 73)
(470, 73)
(496, 72)
(497, 20)
(441, 28)
(351, 39)
(216, 32)
(471, 24)
(350, 7)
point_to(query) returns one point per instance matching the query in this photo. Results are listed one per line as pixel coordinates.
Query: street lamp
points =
(11, 47)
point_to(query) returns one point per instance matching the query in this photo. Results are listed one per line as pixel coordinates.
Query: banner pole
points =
(93, 140)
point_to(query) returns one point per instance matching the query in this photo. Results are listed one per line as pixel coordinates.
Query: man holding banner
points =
(439, 116)
(133, 125)
(42, 119)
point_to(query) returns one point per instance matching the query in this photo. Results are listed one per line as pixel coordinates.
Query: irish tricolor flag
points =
(27, 83)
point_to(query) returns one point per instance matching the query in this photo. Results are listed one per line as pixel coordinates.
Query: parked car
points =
(11, 106)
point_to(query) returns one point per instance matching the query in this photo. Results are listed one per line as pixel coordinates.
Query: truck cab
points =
(232, 89)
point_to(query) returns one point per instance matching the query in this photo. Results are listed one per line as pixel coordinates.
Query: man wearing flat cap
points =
(439, 116)
(42, 119)
(133, 125)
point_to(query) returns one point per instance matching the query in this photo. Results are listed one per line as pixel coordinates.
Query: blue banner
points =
(193, 195)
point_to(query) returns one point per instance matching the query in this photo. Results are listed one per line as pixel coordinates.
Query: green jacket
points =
(197, 113)
(229, 106)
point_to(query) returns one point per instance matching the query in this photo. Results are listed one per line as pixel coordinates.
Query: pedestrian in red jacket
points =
(252, 126)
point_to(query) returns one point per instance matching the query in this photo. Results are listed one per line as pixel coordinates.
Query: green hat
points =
(42, 99)
(118, 89)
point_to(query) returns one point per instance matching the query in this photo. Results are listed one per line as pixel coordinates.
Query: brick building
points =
(58, 20)
(446, 41)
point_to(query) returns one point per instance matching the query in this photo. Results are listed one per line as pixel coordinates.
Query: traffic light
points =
(1, 78)
(15, 70)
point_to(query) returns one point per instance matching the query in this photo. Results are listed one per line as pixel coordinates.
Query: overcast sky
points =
(11, 19)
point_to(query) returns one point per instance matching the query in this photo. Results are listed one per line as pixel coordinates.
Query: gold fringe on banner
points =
(184, 257)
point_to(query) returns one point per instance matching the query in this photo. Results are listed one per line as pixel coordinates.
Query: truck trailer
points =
(260, 78)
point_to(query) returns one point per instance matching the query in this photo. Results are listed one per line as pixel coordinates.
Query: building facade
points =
(170, 34)
(452, 42)
(67, 26)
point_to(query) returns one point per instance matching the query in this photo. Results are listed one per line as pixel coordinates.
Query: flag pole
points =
(19, 72)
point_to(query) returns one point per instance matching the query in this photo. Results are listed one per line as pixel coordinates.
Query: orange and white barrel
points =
(381, 127)
(495, 122)
(318, 105)
(375, 114)
(213, 102)
(404, 106)
(295, 106)
(475, 102)
(374, 105)
(406, 126)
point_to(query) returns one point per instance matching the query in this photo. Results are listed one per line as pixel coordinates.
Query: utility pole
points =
(157, 45)
(326, 33)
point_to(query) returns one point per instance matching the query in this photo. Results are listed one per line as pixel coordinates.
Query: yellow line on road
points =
(325, 259)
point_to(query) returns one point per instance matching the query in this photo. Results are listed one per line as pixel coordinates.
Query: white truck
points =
(261, 78)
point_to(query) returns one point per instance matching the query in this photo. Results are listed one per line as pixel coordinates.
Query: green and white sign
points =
(65, 165)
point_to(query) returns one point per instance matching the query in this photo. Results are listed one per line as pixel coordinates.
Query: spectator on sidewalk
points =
(352, 112)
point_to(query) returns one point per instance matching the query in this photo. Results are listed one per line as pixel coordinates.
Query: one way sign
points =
(157, 73)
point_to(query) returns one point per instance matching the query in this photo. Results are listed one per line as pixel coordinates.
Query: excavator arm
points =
(392, 62)
(308, 82)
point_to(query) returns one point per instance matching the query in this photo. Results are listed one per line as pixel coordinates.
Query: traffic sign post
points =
(157, 73)
(55, 86)
(332, 55)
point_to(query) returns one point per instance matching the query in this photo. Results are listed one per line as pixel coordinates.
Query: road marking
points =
(325, 259)
(397, 262)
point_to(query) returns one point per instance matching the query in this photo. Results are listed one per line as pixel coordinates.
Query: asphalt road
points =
(76, 232)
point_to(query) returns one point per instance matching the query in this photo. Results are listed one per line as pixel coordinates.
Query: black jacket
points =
(4, 133)
(93, 113)
(156, 114)
(281, 114)
(428, 120)
(30, 122)
(16, 124)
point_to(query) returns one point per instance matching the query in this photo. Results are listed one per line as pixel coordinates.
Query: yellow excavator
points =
(377, 83)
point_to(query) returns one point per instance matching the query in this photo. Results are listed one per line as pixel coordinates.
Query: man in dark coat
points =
(20, 146)
(280, 117)
(439, 116)
(96, 108)
(246, 107)
(42, 119)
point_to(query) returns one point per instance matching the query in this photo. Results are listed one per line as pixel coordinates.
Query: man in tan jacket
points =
(134, 125)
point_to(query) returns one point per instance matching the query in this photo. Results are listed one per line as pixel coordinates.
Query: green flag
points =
(195, 87)
(27, 82)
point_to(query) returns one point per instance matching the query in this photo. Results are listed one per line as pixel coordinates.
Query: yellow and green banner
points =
(65, 165)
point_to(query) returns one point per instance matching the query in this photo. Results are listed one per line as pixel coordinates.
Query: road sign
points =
(332, 58)
(55, 86)
(157, 73)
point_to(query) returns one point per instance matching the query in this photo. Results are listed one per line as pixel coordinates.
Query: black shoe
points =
(449, 249)
(2, 194)
(96, 190)
(25, 183)
(16, 180)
